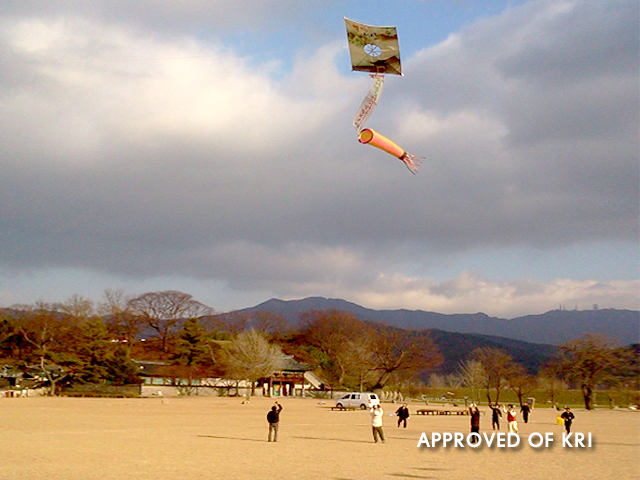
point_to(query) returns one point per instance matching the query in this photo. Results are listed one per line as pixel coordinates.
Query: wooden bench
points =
(427, 411)
(343, 408)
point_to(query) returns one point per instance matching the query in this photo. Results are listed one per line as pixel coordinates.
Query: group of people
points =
(377, 414)
(512, 421)
(496, 412)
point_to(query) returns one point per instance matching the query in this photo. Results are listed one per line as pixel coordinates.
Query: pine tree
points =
(191, 345)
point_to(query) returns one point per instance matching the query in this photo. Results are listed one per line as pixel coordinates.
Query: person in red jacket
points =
(511, 418)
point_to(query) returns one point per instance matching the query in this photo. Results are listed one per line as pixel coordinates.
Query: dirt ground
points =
(220, 438)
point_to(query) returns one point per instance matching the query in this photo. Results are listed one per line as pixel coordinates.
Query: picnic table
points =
(432, 411)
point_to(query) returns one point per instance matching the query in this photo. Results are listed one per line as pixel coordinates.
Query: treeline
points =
(79, 342)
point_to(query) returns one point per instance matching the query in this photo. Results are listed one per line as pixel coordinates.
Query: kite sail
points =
(373, 49)
(376, 50)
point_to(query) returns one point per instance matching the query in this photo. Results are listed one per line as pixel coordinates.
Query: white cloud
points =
(471, 293)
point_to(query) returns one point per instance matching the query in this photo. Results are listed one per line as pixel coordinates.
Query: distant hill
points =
(551, 328)
(456, 347)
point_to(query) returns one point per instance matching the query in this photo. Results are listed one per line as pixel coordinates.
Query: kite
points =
(375, 50)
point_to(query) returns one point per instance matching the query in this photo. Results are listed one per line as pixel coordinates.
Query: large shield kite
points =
(376, 50)
(373, 49)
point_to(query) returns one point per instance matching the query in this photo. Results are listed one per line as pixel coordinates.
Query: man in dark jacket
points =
(496, 413)
(403, 414)
(273, 417)
(568, 417)
(475, 422)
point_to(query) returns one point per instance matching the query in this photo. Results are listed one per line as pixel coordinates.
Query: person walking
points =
(568, 417)
(526, 410)
(273, 417)
(376, 423)
(496, 413)
(403, 414)
(475, 422)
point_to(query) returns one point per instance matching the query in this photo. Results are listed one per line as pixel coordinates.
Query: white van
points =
(363, 400)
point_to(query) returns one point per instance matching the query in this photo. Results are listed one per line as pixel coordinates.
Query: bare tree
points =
(591, 360)
(359, 361)
(78, 308)
(251, 357)
(355, 351)
(42, 328)
(270, 324)
(521, 382)
(162, 311)
(472, 375)
(229, 324)
(121, 321)
(497, 365)
(329, 331)
(400, 355)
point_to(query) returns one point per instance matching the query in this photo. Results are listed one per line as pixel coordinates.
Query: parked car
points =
(362, 400)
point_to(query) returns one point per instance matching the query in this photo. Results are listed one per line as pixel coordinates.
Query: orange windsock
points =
(383, 143)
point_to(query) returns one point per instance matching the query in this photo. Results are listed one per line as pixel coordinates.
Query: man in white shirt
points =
(376, 423)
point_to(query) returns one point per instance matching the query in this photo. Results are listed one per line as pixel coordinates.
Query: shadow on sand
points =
(334, 439)
(233, 438)
(300, 438)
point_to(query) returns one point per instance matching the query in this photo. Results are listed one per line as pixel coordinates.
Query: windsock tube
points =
(372, 137)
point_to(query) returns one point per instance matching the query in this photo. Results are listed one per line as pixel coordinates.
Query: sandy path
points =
(211, 438)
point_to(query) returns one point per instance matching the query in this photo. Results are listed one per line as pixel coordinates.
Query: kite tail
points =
(369, 103)
(411, 161)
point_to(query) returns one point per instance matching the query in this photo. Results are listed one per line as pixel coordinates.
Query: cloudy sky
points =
(207, 147)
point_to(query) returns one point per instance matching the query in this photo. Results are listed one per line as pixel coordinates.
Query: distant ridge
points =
(552, 328)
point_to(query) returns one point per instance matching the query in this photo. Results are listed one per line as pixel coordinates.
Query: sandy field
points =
(220, 438)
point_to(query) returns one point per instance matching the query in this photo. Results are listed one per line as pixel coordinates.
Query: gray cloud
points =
(165, 15)
(185, 159)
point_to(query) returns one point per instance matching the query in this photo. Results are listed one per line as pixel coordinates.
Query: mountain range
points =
(551, 328)
(530, 340)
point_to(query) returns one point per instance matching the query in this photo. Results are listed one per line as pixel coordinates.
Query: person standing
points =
(568, 417)
(403, 414)
(525, 409)
(376, 423)
(496, 413)
(273, 417)
(475, 422)
(511, 418)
